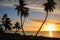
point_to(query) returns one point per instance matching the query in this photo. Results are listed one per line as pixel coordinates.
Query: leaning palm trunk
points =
(16, 31)
(42, 24)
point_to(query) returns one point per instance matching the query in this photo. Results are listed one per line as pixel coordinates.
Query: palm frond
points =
(49, 6)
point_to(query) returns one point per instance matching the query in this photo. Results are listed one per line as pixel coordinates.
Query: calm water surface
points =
(53, 34)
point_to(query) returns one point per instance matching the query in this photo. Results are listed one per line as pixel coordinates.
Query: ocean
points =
(52, 34)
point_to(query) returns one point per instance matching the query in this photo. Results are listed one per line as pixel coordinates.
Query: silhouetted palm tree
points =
(25, 15)
(6, 22)
(23, 11)
(17, 26)
(49, 7)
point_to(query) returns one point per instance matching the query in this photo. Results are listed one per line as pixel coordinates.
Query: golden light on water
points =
(50, 27)
(50, 34)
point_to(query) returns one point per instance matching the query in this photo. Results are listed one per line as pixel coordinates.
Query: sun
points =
(50, 27)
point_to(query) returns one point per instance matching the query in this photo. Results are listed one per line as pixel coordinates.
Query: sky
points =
(36, 14)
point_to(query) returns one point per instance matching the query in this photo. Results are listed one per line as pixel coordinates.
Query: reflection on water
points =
(50, 34)
(55, 34)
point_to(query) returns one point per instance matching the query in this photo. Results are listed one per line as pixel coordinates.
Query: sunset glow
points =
(50, 27)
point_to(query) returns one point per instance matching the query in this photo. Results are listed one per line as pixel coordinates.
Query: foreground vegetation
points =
(12, 36)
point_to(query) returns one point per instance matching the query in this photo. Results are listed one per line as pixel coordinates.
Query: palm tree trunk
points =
(22, 26)
(16, 31)
(23, 21)
(42, 24)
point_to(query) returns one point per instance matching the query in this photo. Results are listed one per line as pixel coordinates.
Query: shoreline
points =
(12, 36)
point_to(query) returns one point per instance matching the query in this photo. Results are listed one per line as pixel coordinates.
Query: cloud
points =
(40, 21)
(38, 6)
(57, 23)
(35, 8)
(8, 2)
(5, 4)
(33, 4)
(36, 20)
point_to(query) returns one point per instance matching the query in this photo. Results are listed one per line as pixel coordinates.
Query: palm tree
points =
(17, 26)
(6, 22)
(25, 15)
(49, 7)
(23, 11)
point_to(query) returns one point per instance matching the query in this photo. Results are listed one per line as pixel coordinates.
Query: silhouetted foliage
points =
(11, 36)
(48, 7)
(17, 26)
(6, 22)
(1, 29)
(23, 11)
